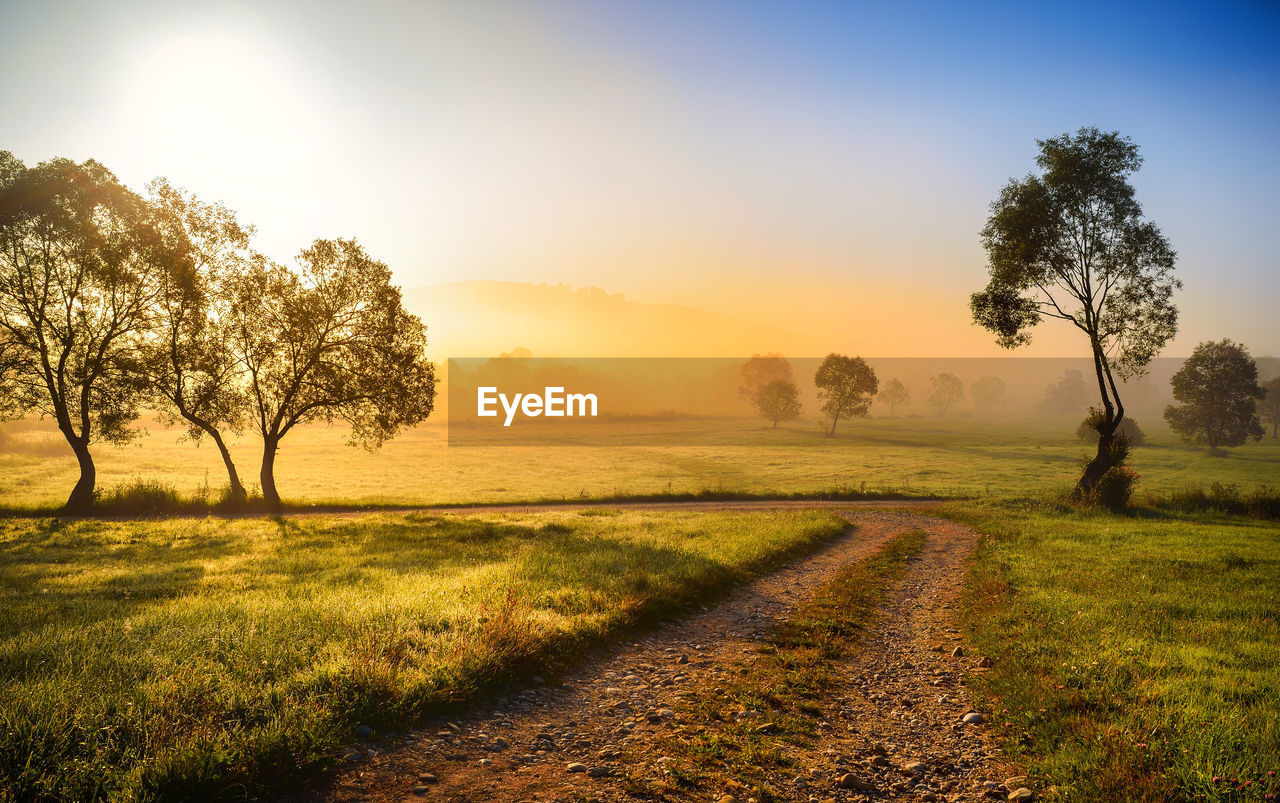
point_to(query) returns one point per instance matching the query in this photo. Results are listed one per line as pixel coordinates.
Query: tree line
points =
(112, 302)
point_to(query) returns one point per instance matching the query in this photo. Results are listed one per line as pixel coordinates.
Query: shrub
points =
(1115, 488)
(1263, 502)
(1088, 429)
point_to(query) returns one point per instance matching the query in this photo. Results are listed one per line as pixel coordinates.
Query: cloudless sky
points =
(820, 166)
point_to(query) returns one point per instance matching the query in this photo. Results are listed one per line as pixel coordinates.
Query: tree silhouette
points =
(760, 370)
(1072, 244)
(988, 392)
(1217, 388)
(947, 389)
(778, 400)
(1269, 407)
(329, 342)
(78, 279)
(894, 395)
(845, 387)
(189, 360)
(1067, 396)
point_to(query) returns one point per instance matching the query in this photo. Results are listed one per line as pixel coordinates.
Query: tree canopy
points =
(894, 395)
(845, 388)
(945, 391)
(1217, 390)
(778, 401)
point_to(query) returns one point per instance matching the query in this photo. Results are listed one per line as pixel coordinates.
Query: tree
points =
(988, 392)
(78, 280)
(189, 361)
(894, 395)
(845, 387)
(1067, 396)
(1087, 430)
(1269, 407)
(329, 342)
(1218, 390)
(947, 389)
(778, 401)
(760, 370)
(1071, 243)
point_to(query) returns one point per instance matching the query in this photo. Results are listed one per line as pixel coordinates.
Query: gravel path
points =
(894, 720)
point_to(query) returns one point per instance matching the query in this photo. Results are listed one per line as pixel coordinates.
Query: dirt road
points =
(892, 723)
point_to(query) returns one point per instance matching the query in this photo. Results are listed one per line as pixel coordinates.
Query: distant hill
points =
(482, 318)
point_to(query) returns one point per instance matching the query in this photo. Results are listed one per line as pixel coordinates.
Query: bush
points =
(142, 497)
(1115, 488)
(1088, 429)
(1263, 502)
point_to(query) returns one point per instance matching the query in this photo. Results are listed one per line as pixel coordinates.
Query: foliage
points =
(1269, 405)
(1071, 243)
(1262, 502)
(1217, 390)
(845, 388)
(989, 391)
(945, 391)
(1067, 396)
(894, 395)
(1088, 430)
(760, 370)
(778, 400)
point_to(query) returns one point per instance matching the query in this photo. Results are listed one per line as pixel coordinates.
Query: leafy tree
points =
(1269, 407)
(1088, 429)
(988, 392)
(947, 389)
(762, 369)
(1218, 390)
(1067, 396)
(78, 280)
(778, 401)
(894, 395)
(845, 387)
(1071, 243)
(190, 361)
(329, 342)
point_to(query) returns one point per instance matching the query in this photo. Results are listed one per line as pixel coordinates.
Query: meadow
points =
(1137, 656)
(191, 658)
(955, 456)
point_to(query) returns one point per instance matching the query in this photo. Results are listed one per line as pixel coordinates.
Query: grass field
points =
(175, 659)
(1137, 657)
(948, 457)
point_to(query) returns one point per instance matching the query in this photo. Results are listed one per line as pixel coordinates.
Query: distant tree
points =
(988, 392)
(845, 387)
(1067, 396)
(778, 401)
(1269, 407)
(760, 370)
(329, 342)
(1218, 390)
(894, 395)
(79, 272)
(1087, 431)
(947, 389)
(189, 360)
(1071, 243)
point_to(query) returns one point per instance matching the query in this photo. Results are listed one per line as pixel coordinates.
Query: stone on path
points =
(1022, 794)
(972, 718)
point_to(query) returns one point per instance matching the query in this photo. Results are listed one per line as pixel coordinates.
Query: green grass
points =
(920, 456)
(1136, 657)
(786, 685)
(187, 658)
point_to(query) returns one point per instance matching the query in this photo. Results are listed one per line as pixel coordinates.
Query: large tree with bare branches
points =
(330, 341)
(79, 268)
(1071, 243)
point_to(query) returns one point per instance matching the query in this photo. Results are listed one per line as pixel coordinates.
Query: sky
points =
(821, 168)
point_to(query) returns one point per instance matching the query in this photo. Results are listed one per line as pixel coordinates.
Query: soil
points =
(892, 726)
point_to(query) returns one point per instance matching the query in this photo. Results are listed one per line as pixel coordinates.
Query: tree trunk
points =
(238, 494)
(1098, 466)
(82, 495)
(268, 475)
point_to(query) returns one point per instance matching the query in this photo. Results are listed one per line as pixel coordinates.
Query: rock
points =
(958, 652)
(914, 767)
(599, 772)
(1015, 782)
(421, 790)
(576, 767)
(984, 662)
(427, 777)
(363, 731)
(972, 718)
(665, 713)
(1022, 794)
(354, 755)
(851, 781)
(768, 727)
(727, 799)
(484, 762)
(500, 744)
